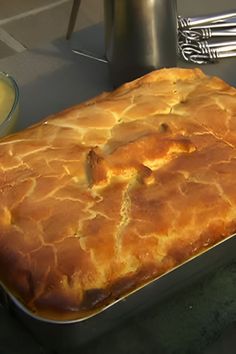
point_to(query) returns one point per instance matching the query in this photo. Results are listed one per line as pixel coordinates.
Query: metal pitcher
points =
(140, 36)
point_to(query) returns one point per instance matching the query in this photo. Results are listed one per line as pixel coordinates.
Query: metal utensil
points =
(206, 54)
(184, 22)
(211, 57)
(205, 45)
(217, 25)
(208, 44)
(195, 37)
(206, 33)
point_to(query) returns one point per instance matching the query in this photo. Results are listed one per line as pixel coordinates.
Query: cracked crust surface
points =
(107, 195)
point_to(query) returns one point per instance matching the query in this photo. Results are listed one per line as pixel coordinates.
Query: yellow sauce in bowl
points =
(7, 97)
(8, 104)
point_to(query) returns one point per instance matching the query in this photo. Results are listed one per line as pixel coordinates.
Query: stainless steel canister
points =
(140, 36)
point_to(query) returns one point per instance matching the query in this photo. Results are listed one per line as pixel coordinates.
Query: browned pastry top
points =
(101, 198)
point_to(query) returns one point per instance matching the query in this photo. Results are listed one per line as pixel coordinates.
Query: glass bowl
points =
(9, 104)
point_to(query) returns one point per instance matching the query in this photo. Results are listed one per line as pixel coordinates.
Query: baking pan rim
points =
(95, 312)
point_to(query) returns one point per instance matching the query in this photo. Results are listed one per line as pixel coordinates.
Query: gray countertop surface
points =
(51, 78)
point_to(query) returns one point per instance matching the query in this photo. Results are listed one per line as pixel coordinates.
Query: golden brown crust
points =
(100, 198)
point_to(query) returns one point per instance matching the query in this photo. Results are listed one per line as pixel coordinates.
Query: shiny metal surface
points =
(205, 53)
(195, 43)
(203, 20)
(140, 36)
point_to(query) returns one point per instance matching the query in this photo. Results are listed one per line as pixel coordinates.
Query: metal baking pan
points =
(65, 335)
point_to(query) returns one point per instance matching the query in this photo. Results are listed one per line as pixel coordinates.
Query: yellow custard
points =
(7, 99)
(7, 96)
